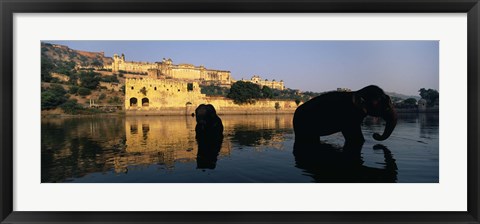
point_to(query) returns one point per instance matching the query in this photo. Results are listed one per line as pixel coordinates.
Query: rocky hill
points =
(61, 53)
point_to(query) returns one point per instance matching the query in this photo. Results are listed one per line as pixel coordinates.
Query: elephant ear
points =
(388, 101)
(360, 102)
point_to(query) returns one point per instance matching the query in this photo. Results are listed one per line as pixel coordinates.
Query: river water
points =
(255, 149)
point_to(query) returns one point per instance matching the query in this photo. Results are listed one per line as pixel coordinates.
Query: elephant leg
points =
(353, 135)
(353, 143)
(306, 140)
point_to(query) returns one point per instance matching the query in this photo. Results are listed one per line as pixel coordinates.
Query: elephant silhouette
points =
(208, 122)
(343, 112)
(209, 136)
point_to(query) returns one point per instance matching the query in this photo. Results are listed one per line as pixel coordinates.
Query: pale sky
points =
(396, 66)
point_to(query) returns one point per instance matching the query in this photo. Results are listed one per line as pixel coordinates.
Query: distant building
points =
(343, 90)
(167, 70)
(272, 84)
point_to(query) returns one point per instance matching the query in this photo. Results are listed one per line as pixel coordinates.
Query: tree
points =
(97, 63)
(430, 95)
(410, 102)
(244, 92)
(89, 79)
(53, 97)
(277, 105)
(82, 91)
(71, 107)
(46, 68)
(267, 92)
(213, 90)
(73, 89)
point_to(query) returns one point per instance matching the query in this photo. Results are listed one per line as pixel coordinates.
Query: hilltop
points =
(60, 53)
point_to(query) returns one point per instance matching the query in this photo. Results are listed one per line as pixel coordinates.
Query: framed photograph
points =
(247, 112)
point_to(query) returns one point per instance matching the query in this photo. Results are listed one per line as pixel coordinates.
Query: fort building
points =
(155, 94)
(272, 84)
(179, 97)
(167, 70)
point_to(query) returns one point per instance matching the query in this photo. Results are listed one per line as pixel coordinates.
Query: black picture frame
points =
(9, 7)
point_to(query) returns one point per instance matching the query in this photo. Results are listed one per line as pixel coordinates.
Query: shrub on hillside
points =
(53, 97)
(71, 107)
(84, 91)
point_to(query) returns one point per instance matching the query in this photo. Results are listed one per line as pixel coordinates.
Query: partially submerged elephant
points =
(208, 122)
(343, 112)
(209, 136)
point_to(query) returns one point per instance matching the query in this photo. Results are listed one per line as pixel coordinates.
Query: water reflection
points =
(75, 147)
(254, 148)
(327, 163)
(208, 149)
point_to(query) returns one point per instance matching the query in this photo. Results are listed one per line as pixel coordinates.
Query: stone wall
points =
(172, 97)
(159, 94)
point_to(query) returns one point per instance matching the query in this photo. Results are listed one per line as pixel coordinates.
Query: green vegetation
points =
(408, 103)
(73, 89)
(83, 79)
(55, 66)
(277, 105)
(110, 78)
(115, 100)
(267, 92)
(96, 63)
(244, 92)
(71, 107)
(213, 90)
(53, 97)
(90, 80)
(430, 95)
(46, 67)
(102, 96)
(82, 91)
(306, 96)
(247, 92)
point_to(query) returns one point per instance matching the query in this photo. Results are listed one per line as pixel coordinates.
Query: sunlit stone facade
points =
(155, 94)
(167, 70)
(272, 84)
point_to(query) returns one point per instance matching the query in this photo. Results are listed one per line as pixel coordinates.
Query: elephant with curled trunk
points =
(343, 112)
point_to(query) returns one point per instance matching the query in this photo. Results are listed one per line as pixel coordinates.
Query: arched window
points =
(133, 102)
(145, 102)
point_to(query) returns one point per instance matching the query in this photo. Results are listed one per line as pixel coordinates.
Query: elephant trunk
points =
(390, 116)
